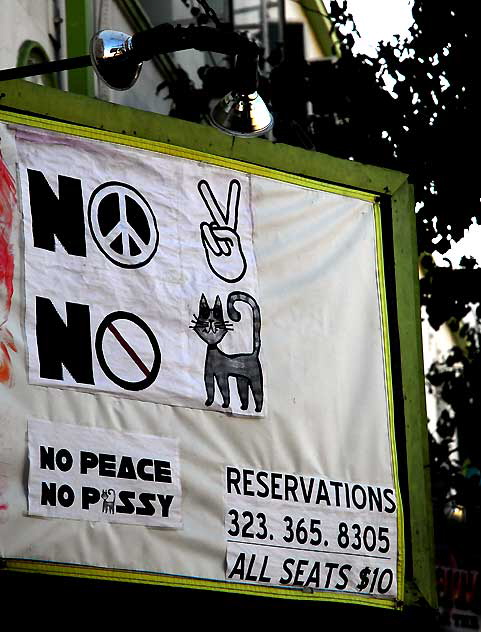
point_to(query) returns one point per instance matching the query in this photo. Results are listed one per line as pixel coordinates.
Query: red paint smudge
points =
(3, 507)
(6, 343)
(7, 206)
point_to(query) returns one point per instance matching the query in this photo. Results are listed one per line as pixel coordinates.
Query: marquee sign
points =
(196, 359)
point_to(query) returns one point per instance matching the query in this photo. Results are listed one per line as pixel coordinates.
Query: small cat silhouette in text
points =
(108, 496)
(211, 327)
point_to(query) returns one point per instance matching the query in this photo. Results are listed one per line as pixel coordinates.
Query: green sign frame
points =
(30, 104)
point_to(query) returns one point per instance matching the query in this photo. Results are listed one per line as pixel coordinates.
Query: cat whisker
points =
(197, 319)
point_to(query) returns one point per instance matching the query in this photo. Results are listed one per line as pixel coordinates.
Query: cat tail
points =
(234, 315)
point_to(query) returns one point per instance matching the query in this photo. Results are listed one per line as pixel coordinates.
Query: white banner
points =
(152, 303)
(99, 475)
(141, 278)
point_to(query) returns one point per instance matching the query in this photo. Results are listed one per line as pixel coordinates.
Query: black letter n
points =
(64, 344)
(61, 217)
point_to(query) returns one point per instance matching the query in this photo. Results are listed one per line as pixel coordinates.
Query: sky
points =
(378, 20)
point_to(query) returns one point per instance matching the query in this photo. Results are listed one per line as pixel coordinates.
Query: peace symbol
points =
(123, 225)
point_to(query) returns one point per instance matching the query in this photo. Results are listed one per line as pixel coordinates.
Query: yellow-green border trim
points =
(28, 98)
(181, 152)
(420, 575)
(152, 578)
(381, 281)
(136, 577)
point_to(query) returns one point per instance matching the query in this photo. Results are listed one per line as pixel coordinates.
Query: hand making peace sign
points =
(221, 242)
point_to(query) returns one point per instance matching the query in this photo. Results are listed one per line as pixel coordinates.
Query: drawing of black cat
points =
(108, 497)
(211, 326)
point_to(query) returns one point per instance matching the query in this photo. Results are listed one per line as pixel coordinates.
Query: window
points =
(31, 52)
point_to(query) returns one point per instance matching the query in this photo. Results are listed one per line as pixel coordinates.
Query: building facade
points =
(36, 31)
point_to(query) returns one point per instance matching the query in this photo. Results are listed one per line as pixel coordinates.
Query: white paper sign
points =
(141, 278)
(99, 475)
(310, 532)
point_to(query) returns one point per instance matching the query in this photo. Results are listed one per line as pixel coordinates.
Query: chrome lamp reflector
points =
(114, 60)
(242, 115)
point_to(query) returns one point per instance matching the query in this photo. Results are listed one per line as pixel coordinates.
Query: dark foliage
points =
(423, 128)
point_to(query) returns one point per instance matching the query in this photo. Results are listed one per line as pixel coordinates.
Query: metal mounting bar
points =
(45, 68)
(167, 38)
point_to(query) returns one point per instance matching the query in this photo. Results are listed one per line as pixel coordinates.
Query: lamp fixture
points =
(455, 512)
(117, 59)
(114, 60)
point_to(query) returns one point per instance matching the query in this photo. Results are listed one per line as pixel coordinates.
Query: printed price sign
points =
(310, 532)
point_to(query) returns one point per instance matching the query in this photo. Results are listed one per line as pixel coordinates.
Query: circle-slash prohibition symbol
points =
(150, 374)
(123, 225)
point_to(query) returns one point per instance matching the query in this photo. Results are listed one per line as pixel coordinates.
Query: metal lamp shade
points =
(242, 115)
(113, 59)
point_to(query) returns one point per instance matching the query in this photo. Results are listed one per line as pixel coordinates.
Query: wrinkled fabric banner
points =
(141, 278)
(168, 310)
